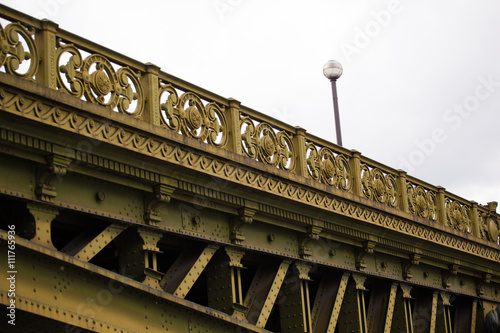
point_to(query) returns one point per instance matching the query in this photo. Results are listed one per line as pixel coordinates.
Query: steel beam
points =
(188, 267)
(353, 311)
(402, 319)
(329, 297)
(53, 285)
(224, 281)
(381, 307)
(294, 300)
(263, 291)
(87, 245)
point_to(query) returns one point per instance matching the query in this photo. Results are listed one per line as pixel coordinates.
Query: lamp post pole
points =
(332, 71)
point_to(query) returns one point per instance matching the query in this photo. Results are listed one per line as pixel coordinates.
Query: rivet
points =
(100, 196)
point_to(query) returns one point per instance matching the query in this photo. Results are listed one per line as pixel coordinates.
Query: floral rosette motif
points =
(188, 115)
(264, 143)
(326, 167)
(96, 79)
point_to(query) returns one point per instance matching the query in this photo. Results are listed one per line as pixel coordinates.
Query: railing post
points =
(299, 141)
(355, 162)
(45, 40)
(402, 191)
(233, 117)
(151, 86)
(441, 205)
(474, 219)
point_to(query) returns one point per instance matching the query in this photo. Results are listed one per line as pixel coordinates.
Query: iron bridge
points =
(134, 201)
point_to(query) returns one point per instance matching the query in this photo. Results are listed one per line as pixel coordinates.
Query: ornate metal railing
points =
(42, 52)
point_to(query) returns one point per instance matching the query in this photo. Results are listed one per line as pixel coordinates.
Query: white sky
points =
(421, 83)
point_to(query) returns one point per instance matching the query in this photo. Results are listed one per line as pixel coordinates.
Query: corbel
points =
(452, 270)
(303, 269)
(446, 298)
(245, 216)
(414, 260)
(154, 202)
(312, 234)
(406, 290)
(56, 168)
(485, 279)
(368, 248)
(359, 280)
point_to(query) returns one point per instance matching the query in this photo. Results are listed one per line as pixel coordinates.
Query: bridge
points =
(134, 201)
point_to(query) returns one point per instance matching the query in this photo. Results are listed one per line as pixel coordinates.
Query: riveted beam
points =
(263, 291)
(224, 282)
(188, 267)
(295, 309)
(86, 245)
(53, 285)
(328, 302)
(381, 307)
(353, 311)
(402, 320)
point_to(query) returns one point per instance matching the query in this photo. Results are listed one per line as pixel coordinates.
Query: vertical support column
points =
(263, 292)
(300, 147)
(151, 238)
(355, 162)
(402, 320)
(441, 206)
(224, 282)
(475, 220)
(43, 215)
(402, 191)
(443, 316)
(295, 305)
(151, 85)
(353, 312)
(45, 40)
(233, 117)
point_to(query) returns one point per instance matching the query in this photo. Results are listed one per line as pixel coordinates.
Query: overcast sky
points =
(421, 83)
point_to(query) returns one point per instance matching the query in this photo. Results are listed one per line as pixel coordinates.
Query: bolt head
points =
(332, 70)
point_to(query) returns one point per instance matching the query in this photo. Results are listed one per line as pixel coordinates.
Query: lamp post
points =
(333, 70)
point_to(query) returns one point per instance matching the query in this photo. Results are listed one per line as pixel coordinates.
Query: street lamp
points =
(333, 70)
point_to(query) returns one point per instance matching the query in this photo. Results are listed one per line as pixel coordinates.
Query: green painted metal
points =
(175, 208)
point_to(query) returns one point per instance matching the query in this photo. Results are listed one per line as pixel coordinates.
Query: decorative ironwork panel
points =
(379, 185)
(189, 115)
(457, 215)
(95, 78)
(16, 46)
(328, 167)
(263, 142)
(421, 201)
